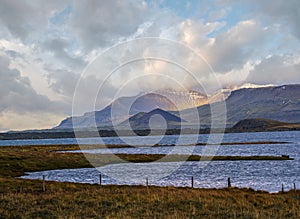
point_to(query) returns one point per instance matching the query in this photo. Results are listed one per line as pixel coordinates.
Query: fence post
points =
(192, 179)
(295, 187)
(100, 179)
(147, 183)
(228, 182)
(44, 184)
(282, 188)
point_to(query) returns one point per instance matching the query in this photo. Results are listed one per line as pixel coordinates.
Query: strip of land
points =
(15, 161)
(101, 146)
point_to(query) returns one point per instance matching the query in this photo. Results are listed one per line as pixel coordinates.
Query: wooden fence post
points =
(44, 183)
(295, 187)
(192, 179)
(100, 179)
(282, 188)
(147, 183)
(228, 182)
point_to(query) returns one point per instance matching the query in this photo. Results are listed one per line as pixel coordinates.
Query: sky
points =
(53, 51)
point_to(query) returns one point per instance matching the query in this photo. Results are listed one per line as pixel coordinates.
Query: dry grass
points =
(25, 199)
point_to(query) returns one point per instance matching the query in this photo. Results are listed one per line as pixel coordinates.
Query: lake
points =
(259, 175)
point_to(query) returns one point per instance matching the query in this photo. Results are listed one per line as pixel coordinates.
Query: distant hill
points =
(281, 103)
(247, 125)
(156, 119)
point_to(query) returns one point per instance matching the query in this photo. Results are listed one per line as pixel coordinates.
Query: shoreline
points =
(100, 146)
(50, 134)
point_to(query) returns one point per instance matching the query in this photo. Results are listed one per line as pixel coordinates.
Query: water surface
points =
(260, 175)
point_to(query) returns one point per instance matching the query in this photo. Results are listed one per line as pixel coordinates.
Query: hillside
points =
(280, 103)
(252, 125)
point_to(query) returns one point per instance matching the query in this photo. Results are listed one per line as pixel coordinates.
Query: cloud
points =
(84, 87)
(101, 23)
(241, 43)
(276, 70)
(28, 17)
(10, 120)
(59, 49)
(193, 32)
(286, 13)
(63, 82)
(16, 93)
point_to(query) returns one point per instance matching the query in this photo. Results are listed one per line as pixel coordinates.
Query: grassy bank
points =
(25, 199)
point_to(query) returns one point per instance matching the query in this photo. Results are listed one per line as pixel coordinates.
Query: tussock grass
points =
(25, 199)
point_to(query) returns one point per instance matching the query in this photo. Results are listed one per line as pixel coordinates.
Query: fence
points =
(147, 183)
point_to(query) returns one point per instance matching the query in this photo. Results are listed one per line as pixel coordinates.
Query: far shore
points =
(54, 134)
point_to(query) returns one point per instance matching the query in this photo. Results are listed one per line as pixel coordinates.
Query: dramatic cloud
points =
(47, 46)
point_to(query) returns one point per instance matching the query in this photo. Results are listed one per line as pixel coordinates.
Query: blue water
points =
(260, 175)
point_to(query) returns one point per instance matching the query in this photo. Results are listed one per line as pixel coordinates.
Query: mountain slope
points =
(263, 125)
(280, 103)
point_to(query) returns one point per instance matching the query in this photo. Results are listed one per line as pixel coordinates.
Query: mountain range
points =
(280, 103)
(125, 107)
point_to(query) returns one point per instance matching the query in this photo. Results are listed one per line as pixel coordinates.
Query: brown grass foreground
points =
(25, 199)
